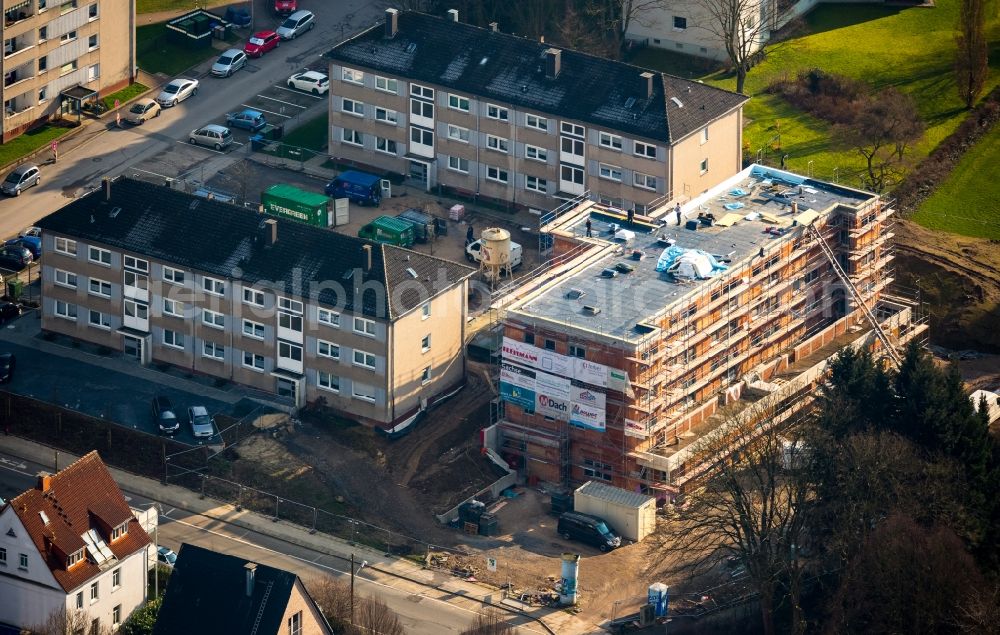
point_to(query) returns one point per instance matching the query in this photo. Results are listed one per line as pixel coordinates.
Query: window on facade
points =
(136, 280)
(387, 85)
(386, 116)
(3, 556)
(645, 150)
(704, 135)
(497, 112)
(535, 153)
(420, 108)
(610, 172)
(550, 345)
(497, 143)
(43, 34)
(213, 319)
(387, 146)
(253, 329)
(116, 615)
(290, 322)
(571, 146)
(68, 67)
(571, 174)
(458, 164)
(173, 307)
(100, 256)
(536, 122)
(175, 276)
(597, 469)
(577, 351)
(74, 558)
(79, 600)
(364, 327)
(65, 278)
(295, 624)
(290, 305)
(92, 11)
(352, 107)
(458, 133)
(327, 349)
(535, 184)
(571, 129)
(213, 350)
(608, 140)
(65, 310)
(425, 375)
(330, 318)
(352, 76)
(95, 593)
(457, 102)
(43, 63)
(93, 72)
(704, 166)
(68, 36)
(66, 246)
(494, 173)
(363, 392)
(361, 358)
(644, 181)
(92, 42)
(116, 578)
(99, 287)
(213, 286)
(352, 137)
(425, 310)
(253, 296)
(252, 360)
(173, 338)
(425, 343)
(136, 310)
(328, 381)
(100, 320)
(421, 91)
(680, 23)
(421, 136)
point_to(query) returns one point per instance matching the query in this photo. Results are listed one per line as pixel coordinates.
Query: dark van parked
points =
(588, 529)
(362, 188)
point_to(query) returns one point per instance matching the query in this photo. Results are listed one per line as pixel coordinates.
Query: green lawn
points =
(125, 94)
(311, 134)
(158, 53)
(29, 142)
(152, 6)
(968, 202)
(911, 49)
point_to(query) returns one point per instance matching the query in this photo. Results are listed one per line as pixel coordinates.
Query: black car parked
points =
(163, 415)
(8, 311)
(589, 529)
(7, 363)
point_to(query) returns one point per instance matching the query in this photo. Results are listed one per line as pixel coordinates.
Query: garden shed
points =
(631, 514)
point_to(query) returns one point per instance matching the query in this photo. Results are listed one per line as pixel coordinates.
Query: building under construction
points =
(644, 333)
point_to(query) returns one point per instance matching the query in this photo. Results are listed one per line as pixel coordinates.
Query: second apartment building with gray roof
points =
(504, 118)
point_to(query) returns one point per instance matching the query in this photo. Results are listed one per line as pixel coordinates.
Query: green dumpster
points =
(15, 287)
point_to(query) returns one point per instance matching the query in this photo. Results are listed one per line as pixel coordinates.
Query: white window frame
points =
(703, 166)
(352, 76)
(424, 134)
(101, 284)
(417, 90)
(327, 349)
(138, 264)
(355, 386)
(66, 310)
(641, 181)
(100, 253)
(459, 103)
(641, 149)
(497, 144)
(704, 135)
(116, 614)
(536, 153)
(536, 184)
(253, 297)
(290, 305)
(368, 360)
(254, 357)
(175, 339)
(425, 343)
(455, 164)
(66, 279)
(572, 129)
(387, 84)
(610, 141)
(326, 381)
(386, 146)
(328, 317)
(458, 133)
(425, 310)
(103, 320)
(352, 137)
(65, 246)
(173, 276)
(95, 591)
(387, 116)
(498, 113)
(536, 122)
(251, 328)
(211, 350)
(170, 306)
(213, 319)
(610, 172)
(289, 348)
(351, 107)
(213, 286)
(497, 174)
(365, 325)
(425, 376)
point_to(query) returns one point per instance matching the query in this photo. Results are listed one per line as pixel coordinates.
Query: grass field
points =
(29, 142)
(152, 6)
(968, 202)
(311, 134)
(157, 53)
(911, 49)
(124, 94)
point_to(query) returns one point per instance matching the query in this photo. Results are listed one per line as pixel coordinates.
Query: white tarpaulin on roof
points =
(691, 265)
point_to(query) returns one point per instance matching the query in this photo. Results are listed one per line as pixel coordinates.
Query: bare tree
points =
(750, 511)
(333, 598)
(635, 11)
(244, 175)
(972, 55)
(373, 616)
(741, 26)
(489, 622)
(881, 132)
(66, 622)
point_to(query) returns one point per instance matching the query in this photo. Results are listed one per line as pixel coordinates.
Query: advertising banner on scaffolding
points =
(587, 409)
(573, 367)
(635, 429)
(523, 397)
(552, 396)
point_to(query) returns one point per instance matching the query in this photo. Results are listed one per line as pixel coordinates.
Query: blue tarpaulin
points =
(673, 252)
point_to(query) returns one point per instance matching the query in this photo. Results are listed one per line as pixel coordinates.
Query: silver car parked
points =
(296, 24)
(212, 135)
(177, 91)
(21, 178)
(202, 425)
(229, 62)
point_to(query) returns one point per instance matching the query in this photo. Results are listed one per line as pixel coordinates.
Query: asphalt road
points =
(112, 152)
(421, 610)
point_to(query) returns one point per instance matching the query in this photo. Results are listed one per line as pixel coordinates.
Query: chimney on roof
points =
(495, 27)
(391, 23)
(368, 257)
(251, 569)
(270, 231)
(44, 482)
(647, 78)
(453, 14)
(107, 189)
(553, 63)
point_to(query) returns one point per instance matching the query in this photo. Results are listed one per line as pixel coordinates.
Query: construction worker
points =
(589, 227)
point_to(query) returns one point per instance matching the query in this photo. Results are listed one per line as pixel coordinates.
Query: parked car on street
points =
(166, 556)
(212, 135)
(229, 62)
(31, 243)
(177, 91)
(202, 425)
(311, 82)
(285, 7)
(31, 231)
(21, 178)
(18, 252)
(238, 17)
(588, 529)
(7, 363)
(261, 42)
(142, 111)
(9, 311)
(163, 415)
(297, 24)
(248, 119)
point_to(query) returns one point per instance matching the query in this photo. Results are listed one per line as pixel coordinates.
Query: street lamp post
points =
(363, 564)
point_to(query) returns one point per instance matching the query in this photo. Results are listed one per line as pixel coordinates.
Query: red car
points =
(286, 7)
(261, 42)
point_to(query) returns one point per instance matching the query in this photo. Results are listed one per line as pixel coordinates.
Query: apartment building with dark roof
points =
(501, 117)
(297, 311)
(71, 543)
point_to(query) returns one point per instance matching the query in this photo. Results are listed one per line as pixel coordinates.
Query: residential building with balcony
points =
(299, 312)
(72, 544)
(498, 117)
(637, 344)
(59, 52)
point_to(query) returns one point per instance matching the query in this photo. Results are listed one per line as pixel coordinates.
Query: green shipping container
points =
(389, 230)
(291, 202)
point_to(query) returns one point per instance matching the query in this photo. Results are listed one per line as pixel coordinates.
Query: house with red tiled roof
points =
(72, 543)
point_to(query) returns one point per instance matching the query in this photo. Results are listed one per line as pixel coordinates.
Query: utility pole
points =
(352, 589)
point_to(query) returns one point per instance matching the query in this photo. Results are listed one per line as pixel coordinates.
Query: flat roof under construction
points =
(614, 306)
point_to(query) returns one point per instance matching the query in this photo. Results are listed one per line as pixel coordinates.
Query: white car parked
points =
(177, 91)
(311, 82)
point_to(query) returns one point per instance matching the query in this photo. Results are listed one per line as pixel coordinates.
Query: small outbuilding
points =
(631, 514)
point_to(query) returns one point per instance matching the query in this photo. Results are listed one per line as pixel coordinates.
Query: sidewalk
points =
(551, 620)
